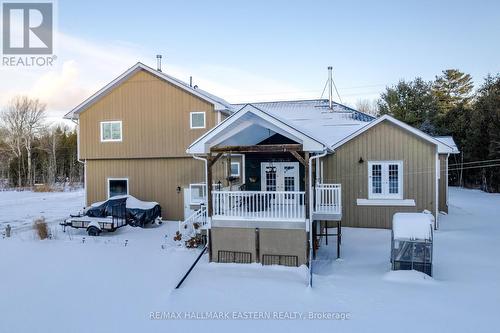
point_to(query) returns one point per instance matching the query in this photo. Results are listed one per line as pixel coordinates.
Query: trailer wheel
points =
(93, 231)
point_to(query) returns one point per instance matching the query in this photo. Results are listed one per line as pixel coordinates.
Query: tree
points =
(367, 106)
(453, 93)
(35, 114)
(483, 134)
(14, 126)
(411, 102)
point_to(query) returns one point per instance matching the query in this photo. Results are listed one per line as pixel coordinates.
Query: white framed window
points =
(385, 180)
(235, 169)
(117, 186)
(197, 193)
(111, 131)
(197, 119)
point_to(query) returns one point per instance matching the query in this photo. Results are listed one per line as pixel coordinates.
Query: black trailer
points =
(95, 225)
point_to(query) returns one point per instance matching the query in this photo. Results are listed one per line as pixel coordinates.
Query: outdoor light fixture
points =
(361, 161)
(178, 189)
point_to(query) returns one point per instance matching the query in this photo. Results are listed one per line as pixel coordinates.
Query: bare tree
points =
(14, 125)
(367, 106)
(35, 115)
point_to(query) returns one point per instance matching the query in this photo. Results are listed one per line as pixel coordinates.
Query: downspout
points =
(311, 201)
(436, 224)
(206, 191)
(84, 162)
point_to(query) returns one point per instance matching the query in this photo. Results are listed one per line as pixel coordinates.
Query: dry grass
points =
(43, 188)
(41, 228)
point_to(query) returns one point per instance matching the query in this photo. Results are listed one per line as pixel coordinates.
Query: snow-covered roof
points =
(314, 118)
(412, 226)
(448, 140)
(219, 103)
(250, 126)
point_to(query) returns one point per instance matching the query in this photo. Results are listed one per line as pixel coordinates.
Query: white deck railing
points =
(259, 205)
(328, 199)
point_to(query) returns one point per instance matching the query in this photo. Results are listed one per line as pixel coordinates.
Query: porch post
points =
(306, 185)
(209, 187)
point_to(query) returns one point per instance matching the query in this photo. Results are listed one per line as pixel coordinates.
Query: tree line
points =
(33, 152)
(449, 105)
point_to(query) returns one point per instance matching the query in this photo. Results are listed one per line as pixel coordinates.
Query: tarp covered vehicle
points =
(115, 213)
(137, 213)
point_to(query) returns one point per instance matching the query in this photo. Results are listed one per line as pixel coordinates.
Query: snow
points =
(118, 281)
(412, 226)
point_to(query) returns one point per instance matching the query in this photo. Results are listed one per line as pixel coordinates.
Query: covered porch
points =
(281, 186)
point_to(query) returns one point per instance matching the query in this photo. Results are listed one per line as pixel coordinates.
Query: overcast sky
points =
(248, 51)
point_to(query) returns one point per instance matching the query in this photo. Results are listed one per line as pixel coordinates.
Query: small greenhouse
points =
(411, 246)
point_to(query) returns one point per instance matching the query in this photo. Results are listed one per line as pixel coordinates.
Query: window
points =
(385, 180)
(197, 193)
(197, 119)
(235, 169)
(117, 186)
(111, 131)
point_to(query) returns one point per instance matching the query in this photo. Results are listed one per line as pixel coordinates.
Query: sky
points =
(247, 51)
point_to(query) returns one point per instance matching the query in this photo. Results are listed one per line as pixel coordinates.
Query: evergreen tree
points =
(411, 102)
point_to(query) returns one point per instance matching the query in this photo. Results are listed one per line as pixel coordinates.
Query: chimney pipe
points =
(330, 88)
(158, 62)
(191, 81)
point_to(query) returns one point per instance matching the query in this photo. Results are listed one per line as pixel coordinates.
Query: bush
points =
(41, 228)
(43, 188)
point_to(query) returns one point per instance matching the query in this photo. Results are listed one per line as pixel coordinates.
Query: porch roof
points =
(249, 126)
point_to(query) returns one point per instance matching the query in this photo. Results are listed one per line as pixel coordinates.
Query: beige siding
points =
(382, 142)
(443, 184)
(155, 116)
(151, 179)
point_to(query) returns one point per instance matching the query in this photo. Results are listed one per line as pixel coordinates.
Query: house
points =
(270, 178)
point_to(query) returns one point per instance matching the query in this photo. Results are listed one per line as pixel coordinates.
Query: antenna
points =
(158, 62)
(330, 88)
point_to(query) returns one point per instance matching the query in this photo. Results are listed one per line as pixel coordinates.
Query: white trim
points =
(191, 114)
(239, 169)
(203, 144)
(384, 170)
(122, 178)
(111, 122)
(441, 146)
(73, 114)
(385, 202)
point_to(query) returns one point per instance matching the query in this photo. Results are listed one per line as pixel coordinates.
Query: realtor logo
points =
(27, 28)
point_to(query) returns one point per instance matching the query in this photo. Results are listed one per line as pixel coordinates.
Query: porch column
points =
(306, 183)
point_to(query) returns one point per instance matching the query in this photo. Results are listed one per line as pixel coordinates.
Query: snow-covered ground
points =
(101, 285)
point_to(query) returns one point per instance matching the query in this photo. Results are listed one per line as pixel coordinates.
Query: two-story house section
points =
(133, 134)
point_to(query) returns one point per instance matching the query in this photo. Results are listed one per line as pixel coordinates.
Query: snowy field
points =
(100, 285)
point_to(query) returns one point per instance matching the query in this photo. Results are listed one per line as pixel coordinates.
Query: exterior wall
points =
(284, 242)
(149, 180)
(155, 116)
(382, 142)
(443, 183)
(233, 239)
(268, 241)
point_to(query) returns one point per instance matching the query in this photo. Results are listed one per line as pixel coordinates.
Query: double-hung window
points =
(385, 180)
(111, 131)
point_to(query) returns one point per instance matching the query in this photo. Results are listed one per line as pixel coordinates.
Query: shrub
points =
(41, 228)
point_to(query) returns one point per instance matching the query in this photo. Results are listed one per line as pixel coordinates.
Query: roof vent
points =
(158, 62)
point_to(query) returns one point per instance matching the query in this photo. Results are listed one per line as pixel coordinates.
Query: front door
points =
(280, 176)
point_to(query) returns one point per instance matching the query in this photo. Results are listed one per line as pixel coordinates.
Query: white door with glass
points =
(280, 176)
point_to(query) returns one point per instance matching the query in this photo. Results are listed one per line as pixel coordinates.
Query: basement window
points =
(111, 131)
(197, 120)
(117, 186)
(385, 180)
